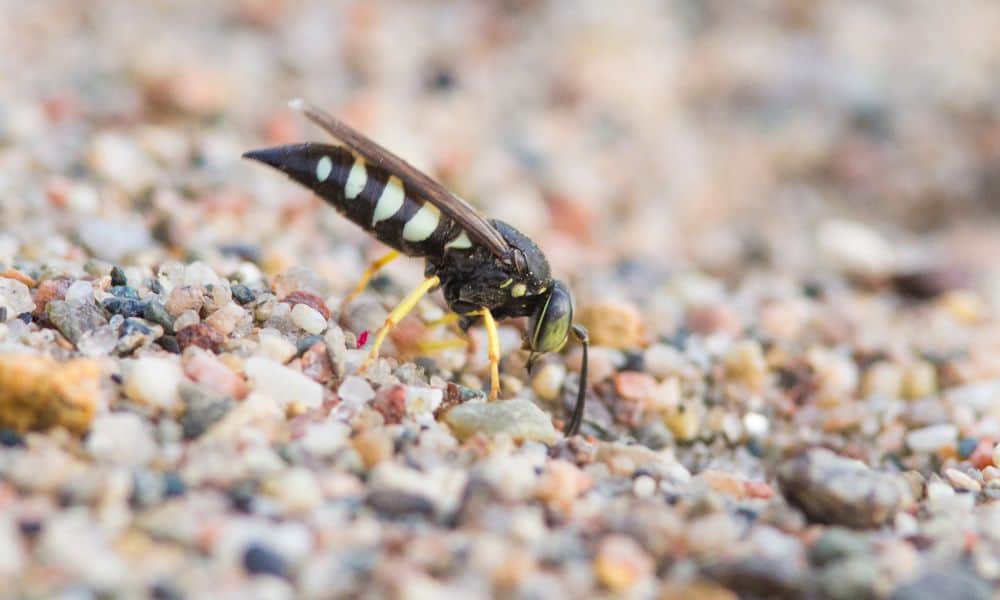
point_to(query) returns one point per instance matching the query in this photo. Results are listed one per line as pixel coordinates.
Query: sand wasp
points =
(486, 269)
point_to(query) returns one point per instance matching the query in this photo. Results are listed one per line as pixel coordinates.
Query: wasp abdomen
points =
(368, 195)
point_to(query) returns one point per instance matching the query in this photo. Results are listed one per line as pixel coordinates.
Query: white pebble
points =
(323, 439)
(273, 345)
(308, 319)
(355, 390)
(422, 400)
(15, 297)
(199, 274)
(296, 489)
(662, 361)
(152, 382)
(931, 439)
(962, 482)
(996, 455)
(282, 384)
(854, 248)
(644, 486)
(121, 438)
(11, 551)
(548, 381)
(756, 424)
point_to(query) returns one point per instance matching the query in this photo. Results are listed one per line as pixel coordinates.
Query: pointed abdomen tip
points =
(274, 157)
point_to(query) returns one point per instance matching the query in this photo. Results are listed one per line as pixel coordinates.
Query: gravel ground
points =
(779, 222)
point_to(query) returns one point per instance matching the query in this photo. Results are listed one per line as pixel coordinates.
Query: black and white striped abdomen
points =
(368, 195)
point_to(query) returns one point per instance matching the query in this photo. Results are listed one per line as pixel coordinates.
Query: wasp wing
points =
(478, 228)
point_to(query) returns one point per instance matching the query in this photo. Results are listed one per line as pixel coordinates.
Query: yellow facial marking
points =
(518, 290)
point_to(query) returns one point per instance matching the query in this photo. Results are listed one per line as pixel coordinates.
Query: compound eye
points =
(551, 322)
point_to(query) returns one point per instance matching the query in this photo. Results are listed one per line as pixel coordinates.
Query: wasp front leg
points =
(493, 349)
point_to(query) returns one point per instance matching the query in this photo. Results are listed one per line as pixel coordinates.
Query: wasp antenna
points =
(573, 428)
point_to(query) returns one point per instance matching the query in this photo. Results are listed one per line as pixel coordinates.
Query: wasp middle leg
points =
(397, 314)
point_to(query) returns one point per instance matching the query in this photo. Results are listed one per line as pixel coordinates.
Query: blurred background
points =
(690, 133)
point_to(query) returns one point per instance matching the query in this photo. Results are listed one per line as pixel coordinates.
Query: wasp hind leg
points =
(370, 272)
(493, 347)
(397, 314)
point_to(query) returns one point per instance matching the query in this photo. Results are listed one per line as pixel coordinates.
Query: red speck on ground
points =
(362, 338)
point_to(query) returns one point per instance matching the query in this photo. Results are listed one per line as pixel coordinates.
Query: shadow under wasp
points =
(486, 269)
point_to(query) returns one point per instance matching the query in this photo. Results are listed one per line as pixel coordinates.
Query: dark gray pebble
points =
(243, 294)
(10, 438)
(395, 504)
(157, 313)
(173, 485)
(833, 489)
(73, 319)
(837, 543)
(126, 307)
(118, 276)
(258, 559)
(169, 343)
(202, 409)
(124, 291)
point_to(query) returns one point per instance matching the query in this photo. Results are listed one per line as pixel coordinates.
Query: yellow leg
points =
(397, 315)
(370, 272)
(441, 345)
(448, 319)
(493, 339)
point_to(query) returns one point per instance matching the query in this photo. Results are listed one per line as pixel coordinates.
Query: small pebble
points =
(308, 319)
(259, 559)
(547, 381)
(919, 380)
(243, 294)
(282, 384)
(15, 297)
(621, 563)
(202, 409)
(613, 324)
(928, 440)
(518, 418)
(155, 312)
(122, 439)
(834, 489)
(118, 277)
(152, 382)
(200, 335)
(962, 482)
(309, 300)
